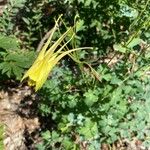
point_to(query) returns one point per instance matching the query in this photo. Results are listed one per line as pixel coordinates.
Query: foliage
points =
(104, 96)
(12, 61)
(102, 114)
(1, 136)
(8, 18)
(27, 19)
(92, 112)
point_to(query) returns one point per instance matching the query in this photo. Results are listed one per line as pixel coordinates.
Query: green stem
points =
(138, 18)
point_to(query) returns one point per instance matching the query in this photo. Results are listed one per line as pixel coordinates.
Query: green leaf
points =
(94, 145)
(115, 80)
(46, 135)
(41, 146)
(55, 135)
(67, 143)
(23, 60)
(26, 20)
(17, 72)
(5, 67)
(89, 130)
(128, 11)
(1, 137)
(134, 42)
(14, 57)
(87, 2)
(79, 25)
(119, 48)
(107, 77)
(8, 43)
(90, 97)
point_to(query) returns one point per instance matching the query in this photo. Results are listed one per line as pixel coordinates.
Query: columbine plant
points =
(48, 58)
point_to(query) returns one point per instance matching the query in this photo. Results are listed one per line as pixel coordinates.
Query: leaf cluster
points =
(13, 62)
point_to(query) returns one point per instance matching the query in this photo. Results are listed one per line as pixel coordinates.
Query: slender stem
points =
(138, 18)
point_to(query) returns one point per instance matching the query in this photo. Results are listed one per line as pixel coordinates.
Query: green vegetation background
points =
(75, 103)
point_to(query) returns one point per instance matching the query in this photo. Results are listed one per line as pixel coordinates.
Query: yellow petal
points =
(51, 35)
(51, 50)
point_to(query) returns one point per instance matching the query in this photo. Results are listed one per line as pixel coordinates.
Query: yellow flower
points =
(47, 59)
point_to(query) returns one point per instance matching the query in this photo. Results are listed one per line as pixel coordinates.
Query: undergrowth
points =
(92, 97)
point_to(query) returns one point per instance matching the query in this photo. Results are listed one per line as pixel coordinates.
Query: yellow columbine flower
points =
(47, 59)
